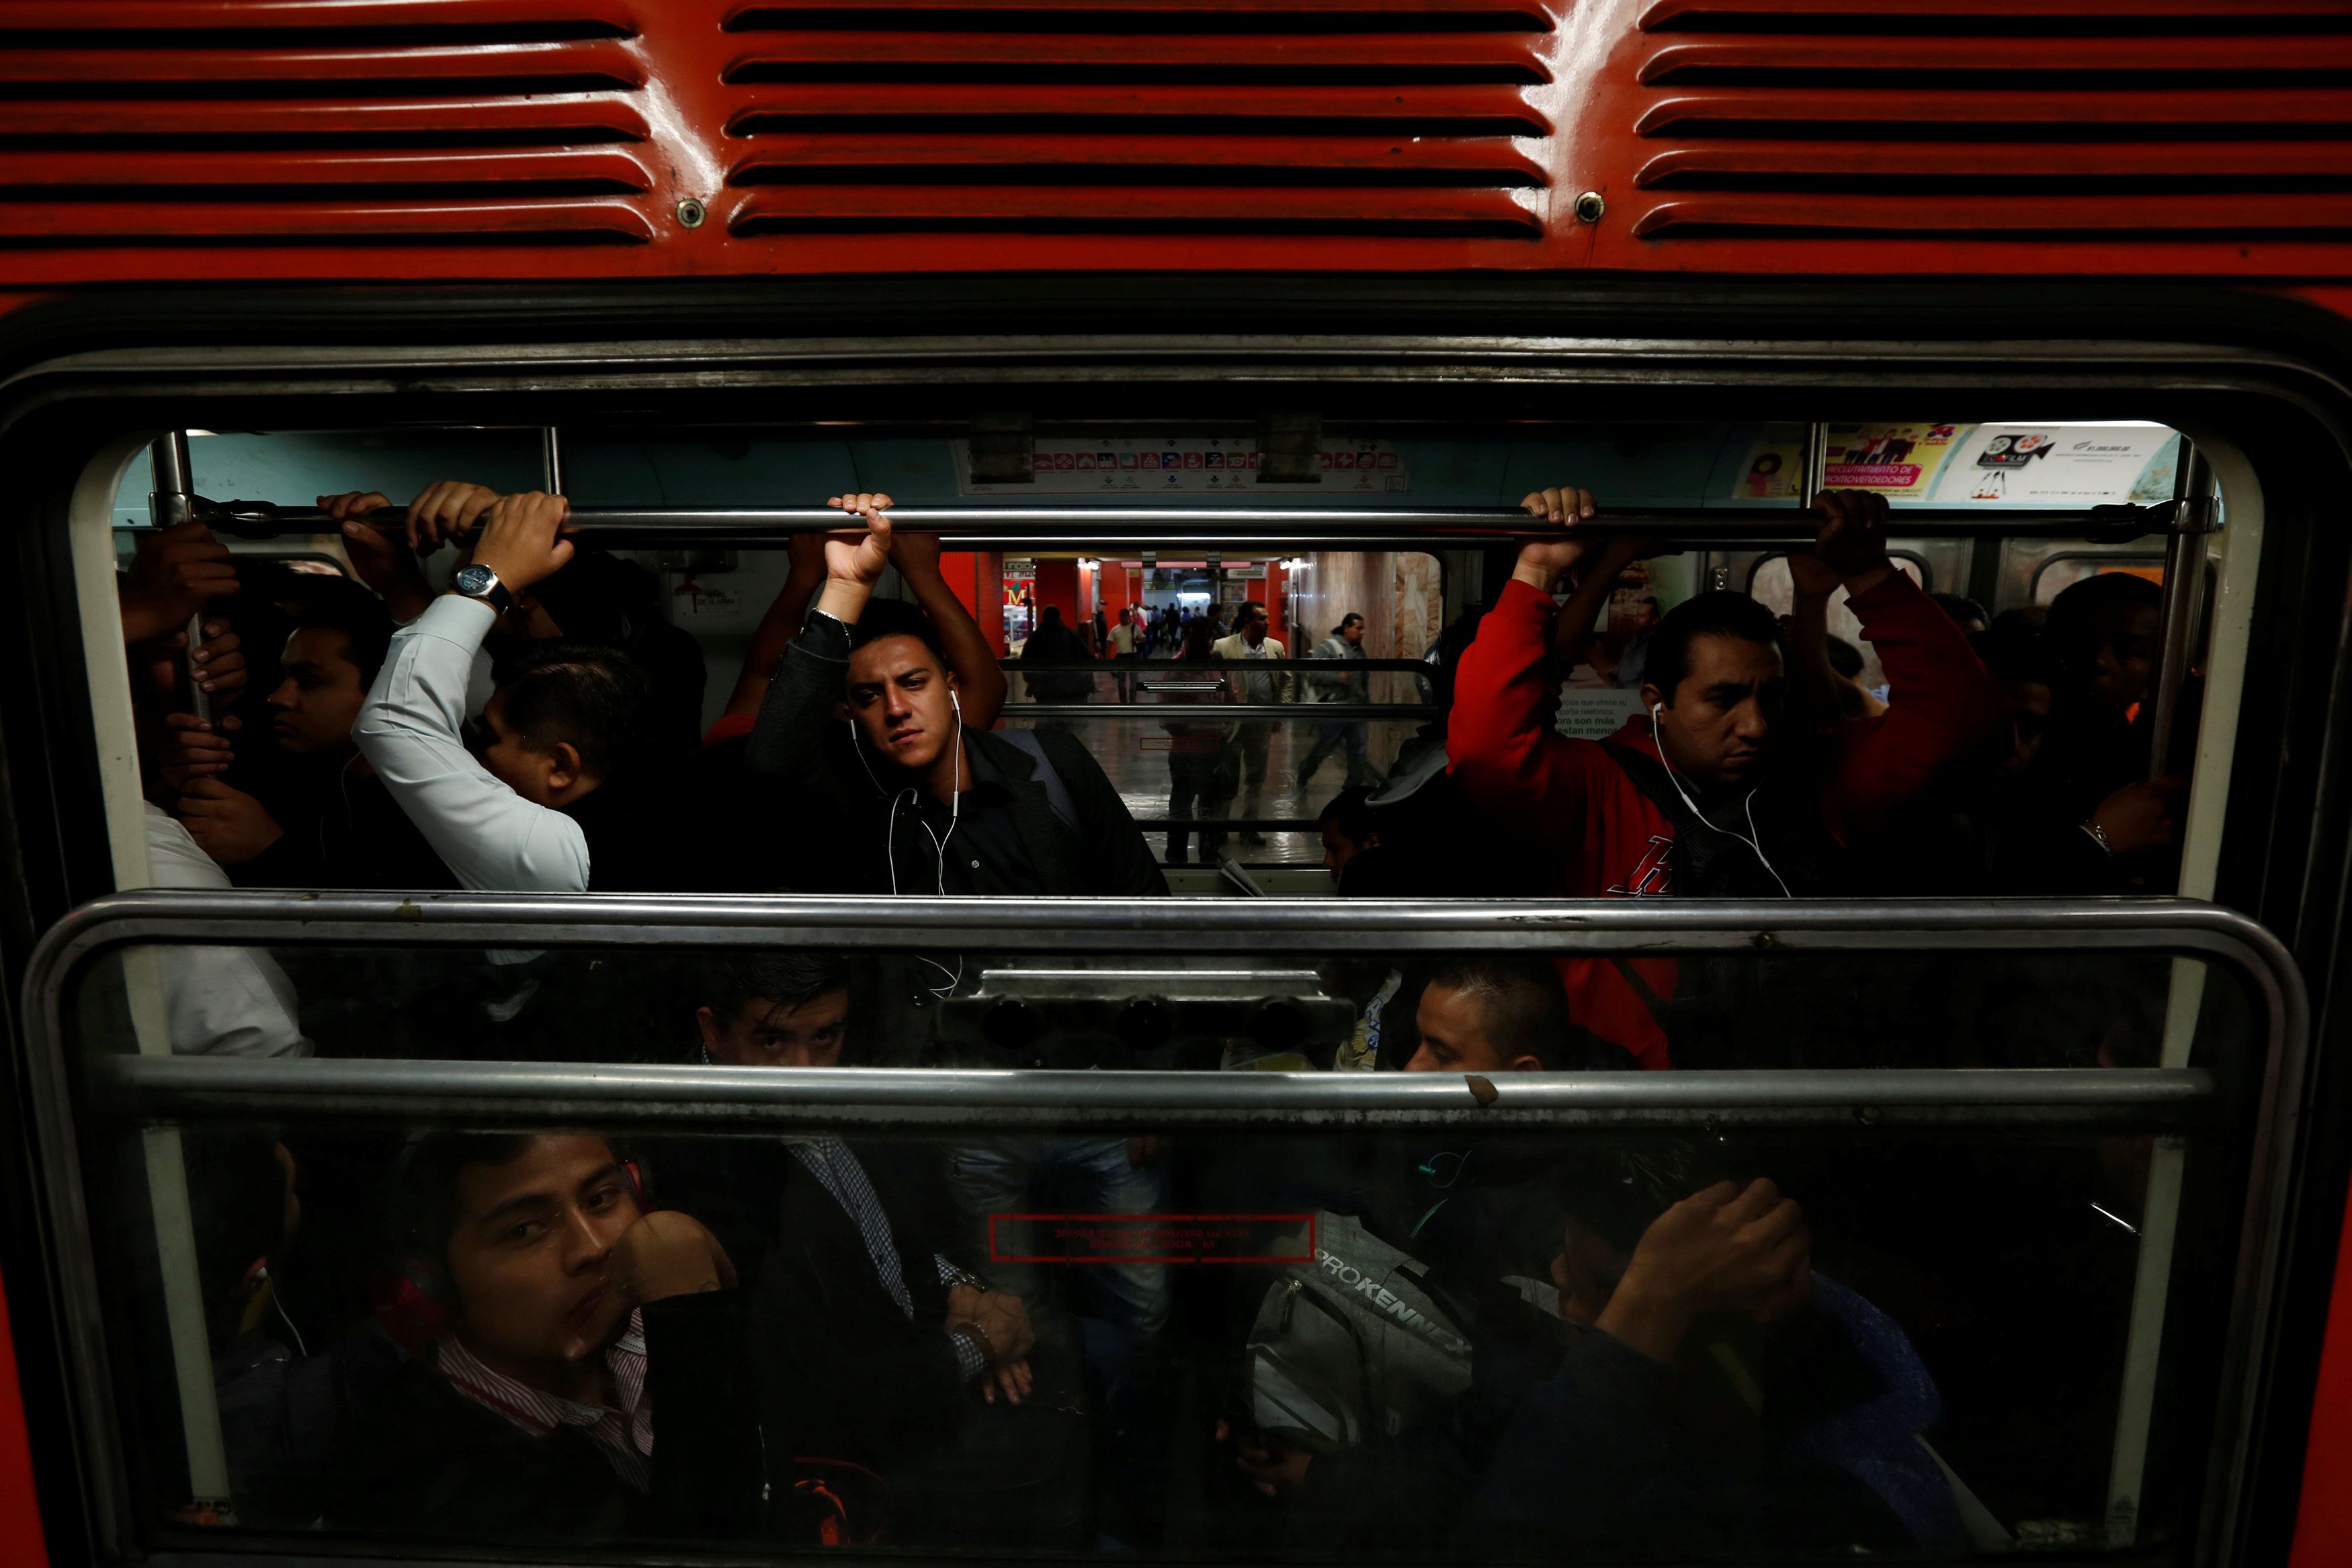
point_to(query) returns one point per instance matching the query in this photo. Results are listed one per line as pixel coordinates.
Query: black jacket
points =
(869, 1383)
(815, 760)
(423, 1461)
(344, 829)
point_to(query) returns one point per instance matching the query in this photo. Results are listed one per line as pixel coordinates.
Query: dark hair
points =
(1200, 635)
(1721, 613)
(2071, 611)
(788, 979)
(1845, 658)
(596, 598)
(1242, 612)
(422, 1206)
(2016, 652)
(1350, 619)
(1960, 609)
(595, 698)
(1050, 616)
(1525, 1012)
(896, 617)
(339, 604)
(1349, 810)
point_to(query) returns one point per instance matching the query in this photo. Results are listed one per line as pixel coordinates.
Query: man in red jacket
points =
(1707, 792)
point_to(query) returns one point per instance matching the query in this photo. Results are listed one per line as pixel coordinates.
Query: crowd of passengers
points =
(472, 1335)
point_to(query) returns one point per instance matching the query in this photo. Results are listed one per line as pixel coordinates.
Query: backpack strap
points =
(1057, 794)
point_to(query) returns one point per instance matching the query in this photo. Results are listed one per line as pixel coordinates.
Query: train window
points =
(2061, 572)
(475, 1221)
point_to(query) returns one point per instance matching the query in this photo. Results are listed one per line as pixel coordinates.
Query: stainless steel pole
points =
(2185, 573)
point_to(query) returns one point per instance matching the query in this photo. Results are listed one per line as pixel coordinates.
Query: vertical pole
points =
(550, 457)
(1808, 483)
(167, 504)
(2184, 598)
(167, 1171)
(2184, 603)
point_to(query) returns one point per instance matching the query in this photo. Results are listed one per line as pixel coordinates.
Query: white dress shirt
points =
(218, 1001)
(490, 837)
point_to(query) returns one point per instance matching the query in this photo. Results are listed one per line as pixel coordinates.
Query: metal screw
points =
(1590, 206)
(690, 213)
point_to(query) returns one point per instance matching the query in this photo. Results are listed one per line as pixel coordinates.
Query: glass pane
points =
(1494, 1341)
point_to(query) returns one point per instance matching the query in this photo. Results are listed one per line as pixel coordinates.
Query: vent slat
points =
(784, 13)
(328, 222)
(130, 17)
(1472, 157)
(2113, 16)
(2104, 57)
(1111, 53)
(557, 116)
(306, 168)
(602, 58)
(1913, 106)
(1113, 207)
(1501, 106)
(2158, 215)
(1923, 162)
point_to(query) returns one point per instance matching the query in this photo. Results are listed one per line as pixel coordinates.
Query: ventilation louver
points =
(2049, 121)
(1184, 118)
(247, 123)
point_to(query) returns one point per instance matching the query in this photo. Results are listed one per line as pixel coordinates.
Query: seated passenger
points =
(538, 801)
(926, 800)
(1710, 1393)
(541, 1297)
(1497, 1015)
(1702, 794)
(891, 1349)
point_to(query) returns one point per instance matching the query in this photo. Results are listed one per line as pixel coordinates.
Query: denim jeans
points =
(1021, 1175)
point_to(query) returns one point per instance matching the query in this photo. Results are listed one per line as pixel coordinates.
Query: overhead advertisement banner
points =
(1899, 461)
(2061, 465)
(1187, 466)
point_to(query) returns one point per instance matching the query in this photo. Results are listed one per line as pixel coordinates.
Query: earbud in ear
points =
(1654, 708)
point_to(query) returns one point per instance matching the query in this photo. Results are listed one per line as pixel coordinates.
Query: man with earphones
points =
(1705, 793)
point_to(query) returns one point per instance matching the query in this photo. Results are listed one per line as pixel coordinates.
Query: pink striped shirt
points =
(625, 1436)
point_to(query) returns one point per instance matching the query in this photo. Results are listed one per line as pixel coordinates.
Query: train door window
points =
(360, 1233)
(2061, 572)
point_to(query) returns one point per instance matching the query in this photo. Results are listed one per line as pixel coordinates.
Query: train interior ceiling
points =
(716, 582)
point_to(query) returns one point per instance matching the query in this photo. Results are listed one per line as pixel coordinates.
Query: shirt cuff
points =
(970, 1359)
(453, 618)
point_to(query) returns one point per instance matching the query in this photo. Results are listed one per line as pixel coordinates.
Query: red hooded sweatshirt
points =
(1607, 839)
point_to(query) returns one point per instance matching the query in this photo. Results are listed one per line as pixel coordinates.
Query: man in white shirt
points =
(1250, 737)
(218, 1001)
(519, 809)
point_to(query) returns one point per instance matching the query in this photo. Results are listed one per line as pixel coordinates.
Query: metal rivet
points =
(1590, 206)
(690, 213)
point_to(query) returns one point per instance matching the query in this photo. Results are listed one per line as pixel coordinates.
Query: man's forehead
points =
(1714, 656)
(552, 1166)
(817, 1009)
(887, 658)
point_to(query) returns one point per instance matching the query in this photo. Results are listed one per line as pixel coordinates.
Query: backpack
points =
(1353, 1345)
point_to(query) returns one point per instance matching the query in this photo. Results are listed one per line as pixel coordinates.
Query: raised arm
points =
(804, 694)
(409, 729)
(1943, 701)
(1499, 738)
(973, 662)
(779, 625)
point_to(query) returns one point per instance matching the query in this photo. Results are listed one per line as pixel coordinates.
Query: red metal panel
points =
(779, 155)
(561, 116)
(1533, 11)
(333, 222)
(2158, 212)
(1924, 162)
(606, 165)
(1690, 106)
(853, 206)
(1452, 105)
(588, 58)
(1114, 53)
(143, 16)
(2110, 16)
(21, 1543)
(2003, 58)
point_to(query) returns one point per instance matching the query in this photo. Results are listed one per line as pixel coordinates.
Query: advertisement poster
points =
(2061, 465)
(1771, 472)
(1186, 466)
(1595, 713)
(1900, 461)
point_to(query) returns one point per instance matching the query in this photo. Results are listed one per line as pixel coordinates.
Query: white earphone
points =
(939, 841)
(1749, 806)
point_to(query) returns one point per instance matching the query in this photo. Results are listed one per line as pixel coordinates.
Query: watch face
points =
(474, 579)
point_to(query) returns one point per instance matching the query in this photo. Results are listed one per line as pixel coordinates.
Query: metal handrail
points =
(1170, 529)
(1179, 710)
(740, 1099)
(1107, 664)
